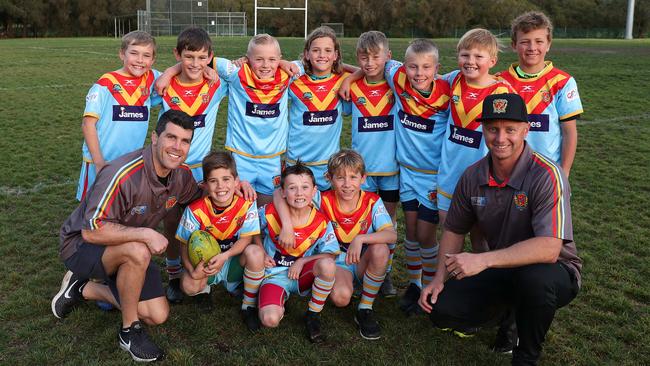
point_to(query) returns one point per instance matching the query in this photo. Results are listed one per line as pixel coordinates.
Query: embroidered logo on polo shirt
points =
(171, 201)
(479, 201)
(138, 210)
(521, 200)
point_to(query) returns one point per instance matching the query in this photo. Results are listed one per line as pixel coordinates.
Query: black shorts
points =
(391, 196)
(424, 213)
(87, 263)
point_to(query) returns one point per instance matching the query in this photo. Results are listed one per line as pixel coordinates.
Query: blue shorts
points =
(340, 263)
(231, 275)
(444, 202)
(86, 179)
(376, 183)
(418, 186)
(319, 173)
(279, 280)
(263, 174)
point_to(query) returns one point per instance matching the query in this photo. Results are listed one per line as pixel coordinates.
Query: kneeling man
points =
(520, 201)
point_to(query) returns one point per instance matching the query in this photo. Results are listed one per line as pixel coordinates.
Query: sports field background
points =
(43, 83)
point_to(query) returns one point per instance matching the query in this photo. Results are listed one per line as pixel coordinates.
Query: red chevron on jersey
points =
(372, 99)
(538, 92)
(413, 102)
(191, 99)
(350, 224)
(467, 101)
(318, 95)
(223, 225)
(128, 90)
(305, 236)
(265, 92)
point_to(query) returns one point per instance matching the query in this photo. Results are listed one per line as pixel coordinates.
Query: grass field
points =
(43, 83)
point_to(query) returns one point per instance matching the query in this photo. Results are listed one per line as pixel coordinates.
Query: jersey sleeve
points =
(551, 209)
(251, 224)
(461, 216)
(187, 226)
(328, 243)
(96, 99)
(225, 68)
(389, 71)
(317, 200)
(380, 218)
(449, 77)
(155, 98)
(301, 69)
(108, 199)
(568, 101)
(190, 190)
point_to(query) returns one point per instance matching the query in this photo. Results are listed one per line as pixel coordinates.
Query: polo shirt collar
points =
(152, 177)
(518, 172)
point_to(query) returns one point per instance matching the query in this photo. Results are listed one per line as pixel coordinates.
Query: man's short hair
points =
(422, 46)
(479, 38)
(531, 21)
(346, 159)
(298, 169)
(193, 39)
(138, 38)
(372, 42)
(219, 160)
(178, 118)
(262, 39)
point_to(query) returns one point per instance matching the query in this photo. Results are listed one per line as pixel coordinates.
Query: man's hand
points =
(216, 263)
(156, 242)
(353, 255)
(246, 191)
(433, 289)
(287, 239)
(463, 265)
(296, 268)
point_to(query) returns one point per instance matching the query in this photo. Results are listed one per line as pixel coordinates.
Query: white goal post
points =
(279, 8)
(338, 28)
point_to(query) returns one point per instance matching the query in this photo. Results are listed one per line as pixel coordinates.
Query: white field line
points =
(53, 86)
(71, 50)
(38, 187)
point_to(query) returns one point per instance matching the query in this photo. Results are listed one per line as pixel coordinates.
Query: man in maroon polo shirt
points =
(530, 268)
(111, 235)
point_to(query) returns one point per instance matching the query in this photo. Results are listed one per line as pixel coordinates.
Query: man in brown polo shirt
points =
(111, 235)
(530, 268)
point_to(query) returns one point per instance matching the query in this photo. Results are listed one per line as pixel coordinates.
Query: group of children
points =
(326, 219)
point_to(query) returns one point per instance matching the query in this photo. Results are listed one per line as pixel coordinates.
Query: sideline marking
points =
(38, 187)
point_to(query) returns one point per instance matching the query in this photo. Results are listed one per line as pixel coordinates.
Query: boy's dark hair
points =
(193, 39)
(178, 118)
(219, 160)
(298, 169)
(530, 21)
(323, 32)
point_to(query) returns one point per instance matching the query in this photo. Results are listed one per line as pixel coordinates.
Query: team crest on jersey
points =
(175, 100)
(361, 101)
(117, 88)
(276, 181)
(405, 95)
(546, 95)
(307, 96)
(171, 201)
(205, 98)
(499, 105)
(521, 200)
(455, 99)
(433, 196)
(363, 225)
(144, 90)
(240, 220)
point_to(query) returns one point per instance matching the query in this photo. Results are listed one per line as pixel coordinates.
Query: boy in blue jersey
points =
(374, 113)
(551, 95)
(116, 117)
(306, 266)
(233, 222)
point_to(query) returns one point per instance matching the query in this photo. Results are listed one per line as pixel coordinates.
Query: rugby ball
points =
(202, 246)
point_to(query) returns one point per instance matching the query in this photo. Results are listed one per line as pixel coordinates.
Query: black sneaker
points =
(387, 289)
(368, 325)
(312, 322)
(174, 292)
(135, 341)
(251, 318)
(409, 302)
(68, 296)
(506, 339)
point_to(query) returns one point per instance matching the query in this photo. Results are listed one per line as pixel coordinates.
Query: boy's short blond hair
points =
(346, 159)
(479, 38)
(372, 42)
(262, 39)
(531, 21)
(422, 46)
(138, 38)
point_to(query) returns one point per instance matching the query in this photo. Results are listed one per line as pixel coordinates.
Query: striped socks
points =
(429, 263)
(371, 285)
(413, 262)
(391, 253)
(252, 282)
(173, 267)
(320, 290)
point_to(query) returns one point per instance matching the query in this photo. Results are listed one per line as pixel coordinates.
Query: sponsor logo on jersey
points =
(465, 137)
(323, 118)
(130, 113)
(92, 97)
(416, 123)
(117, 88)
(199, 121)
(538, 122)
(361, 101)
(527, 89)
(171, 201)
(375, 124)
(307, 96)
(521, 200)
(226, 244)
(139, 210)
(175, 100)
(129, 82)
(188, 93)
(321, 89)
(572, 95)
(261, 110)
(472, 95)
(479, 201)
(375, 93)
(188, 224)
(499, 105)
(284, 260)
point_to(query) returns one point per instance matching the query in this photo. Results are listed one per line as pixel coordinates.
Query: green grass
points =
(42, 90)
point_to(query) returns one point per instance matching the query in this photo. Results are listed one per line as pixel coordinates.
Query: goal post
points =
(338, 28)
(278, 8)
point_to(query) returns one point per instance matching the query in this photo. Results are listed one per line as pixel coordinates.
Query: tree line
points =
(397, 18)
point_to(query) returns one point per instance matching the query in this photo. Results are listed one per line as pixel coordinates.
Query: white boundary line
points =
(53, 86)
(38, 187)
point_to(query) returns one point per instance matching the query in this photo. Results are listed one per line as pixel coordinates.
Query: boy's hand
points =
(198, 273)
(216, 263)
(344, 89)
(295, 269)
(246, 191)
(354, 251)
(269, 262)
(240, 62)
(287, 239)
(289, 67)
(210, 75)
(162, 83)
